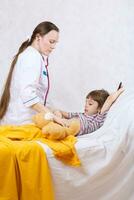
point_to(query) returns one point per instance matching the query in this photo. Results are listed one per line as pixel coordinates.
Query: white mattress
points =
(107, 156)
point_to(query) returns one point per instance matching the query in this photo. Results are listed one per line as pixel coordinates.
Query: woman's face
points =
(47, 43)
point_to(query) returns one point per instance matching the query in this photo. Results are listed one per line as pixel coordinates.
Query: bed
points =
(107, 157)
(29, 168)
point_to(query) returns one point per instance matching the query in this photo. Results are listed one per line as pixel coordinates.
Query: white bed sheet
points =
(107, 156)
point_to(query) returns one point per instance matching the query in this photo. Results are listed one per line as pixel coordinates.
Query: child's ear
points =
(99, 110)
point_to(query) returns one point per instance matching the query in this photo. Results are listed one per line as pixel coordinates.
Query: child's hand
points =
(111, 99)
(57, 113)
(116, 94)
(58, 120)
(61, 121)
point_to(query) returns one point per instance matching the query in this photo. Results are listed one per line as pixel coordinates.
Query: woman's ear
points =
(38, 36)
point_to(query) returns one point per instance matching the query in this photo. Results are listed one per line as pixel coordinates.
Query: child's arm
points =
(110, 100)
(61, 114)
(64, 114)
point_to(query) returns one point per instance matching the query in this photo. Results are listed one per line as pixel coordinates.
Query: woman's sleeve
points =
(30, 66)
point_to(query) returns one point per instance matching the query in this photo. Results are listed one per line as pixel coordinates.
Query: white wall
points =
(95, 49)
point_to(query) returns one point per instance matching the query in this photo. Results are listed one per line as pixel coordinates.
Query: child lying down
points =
(59, 124)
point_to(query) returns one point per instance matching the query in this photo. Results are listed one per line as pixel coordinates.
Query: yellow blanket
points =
(24, 168)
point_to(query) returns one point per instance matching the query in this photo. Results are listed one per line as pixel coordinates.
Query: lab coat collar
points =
(45, 59)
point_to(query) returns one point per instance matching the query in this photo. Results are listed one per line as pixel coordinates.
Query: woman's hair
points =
(41, 29)
(98, 95)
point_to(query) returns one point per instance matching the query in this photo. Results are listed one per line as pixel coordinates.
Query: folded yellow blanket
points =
(24, 171)
(8, 184)
(23, 163)
(62, 149)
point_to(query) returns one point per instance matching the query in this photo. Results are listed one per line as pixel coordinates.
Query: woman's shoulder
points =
(30, 53)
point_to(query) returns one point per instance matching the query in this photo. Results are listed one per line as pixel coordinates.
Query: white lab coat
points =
(29, 85)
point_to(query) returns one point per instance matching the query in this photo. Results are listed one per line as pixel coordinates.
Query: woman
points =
(27, 84)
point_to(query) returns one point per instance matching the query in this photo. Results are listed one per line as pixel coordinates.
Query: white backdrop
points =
(95, 48)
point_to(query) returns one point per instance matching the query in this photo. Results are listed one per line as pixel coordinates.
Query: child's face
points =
(91, 107)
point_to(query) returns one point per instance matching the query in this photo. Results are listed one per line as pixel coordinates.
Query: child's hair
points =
(42, 29)
(98, 95)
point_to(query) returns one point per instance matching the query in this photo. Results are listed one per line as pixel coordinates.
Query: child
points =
(98, 102)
